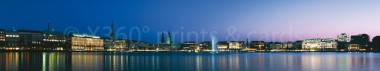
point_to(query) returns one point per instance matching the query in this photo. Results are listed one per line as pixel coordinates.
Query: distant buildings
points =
(223, 46)
(318, 44)
(236, 45)
(86, 42)
(191, 45)
(2, 38)
(12, 41)
(343, 40)
(297, 45)
(288, 45)
(54, 41)
(167, 46)
(120, 45)
(359, 42)
(206, 45)
(376, 43)
(259, 45)
(31, 40)
(275, 45)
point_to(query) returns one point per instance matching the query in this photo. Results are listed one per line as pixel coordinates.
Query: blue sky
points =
(268, 20)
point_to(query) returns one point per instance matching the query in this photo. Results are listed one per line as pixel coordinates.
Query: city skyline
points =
(189, 35)
(305, 18)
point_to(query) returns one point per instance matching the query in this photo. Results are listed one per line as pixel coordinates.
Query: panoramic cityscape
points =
(189, 35)
(49, 40)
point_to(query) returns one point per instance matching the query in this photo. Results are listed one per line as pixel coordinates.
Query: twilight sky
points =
(195, 20)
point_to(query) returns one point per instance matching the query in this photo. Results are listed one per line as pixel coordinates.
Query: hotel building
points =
(12, 40)
(361, 41)
(54, 41)
(86, 42)
(29, 39)
(259, 45)
(223, 45)
(319, 44)
(236, 45)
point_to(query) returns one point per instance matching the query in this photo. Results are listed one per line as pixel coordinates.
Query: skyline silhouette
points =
(304, 18)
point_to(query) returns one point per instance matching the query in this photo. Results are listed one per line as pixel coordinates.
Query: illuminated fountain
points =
(214, 41)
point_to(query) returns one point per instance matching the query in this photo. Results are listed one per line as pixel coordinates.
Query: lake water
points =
(175, 61)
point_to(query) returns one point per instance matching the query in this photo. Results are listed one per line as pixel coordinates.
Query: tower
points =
(162, 38)
(169, 40)
(247, 44)
(112, 35)
(49, 28)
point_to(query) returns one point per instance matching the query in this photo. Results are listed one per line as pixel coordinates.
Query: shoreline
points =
(174, 51)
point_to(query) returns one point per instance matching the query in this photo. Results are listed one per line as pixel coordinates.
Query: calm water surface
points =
(110, 61)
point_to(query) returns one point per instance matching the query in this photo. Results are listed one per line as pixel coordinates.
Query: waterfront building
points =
(12, 40)
(107, 44)
(343, 38)
(2, 35)
(30, 40)
(276, 45)
(343, 41)
(120, 45)
(287, 45)
(236, 45)
(354, 47)
(191, 45)
(54, 41)
(140, 45)
(2, 39)
(206, 45)
(175, 46)
(115, 45)
(376, 43)
(362, 40)
(86, 42)
(259, 45)
(223, 45)
(297, 45)
(319, 44)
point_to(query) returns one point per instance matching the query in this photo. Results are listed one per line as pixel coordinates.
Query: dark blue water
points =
(109, 61)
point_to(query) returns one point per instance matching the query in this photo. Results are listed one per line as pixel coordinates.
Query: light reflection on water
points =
(109, 61)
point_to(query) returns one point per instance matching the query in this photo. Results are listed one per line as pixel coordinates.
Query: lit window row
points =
(12, 36)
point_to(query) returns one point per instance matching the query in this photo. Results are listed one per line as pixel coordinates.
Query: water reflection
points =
(110, 61)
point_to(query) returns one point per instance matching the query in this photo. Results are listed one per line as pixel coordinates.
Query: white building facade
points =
(343, 37)
(319, 44)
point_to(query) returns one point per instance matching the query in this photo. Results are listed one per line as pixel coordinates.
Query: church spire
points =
(112, 35)
(49, 28)
(169, 40)
(163, 38)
